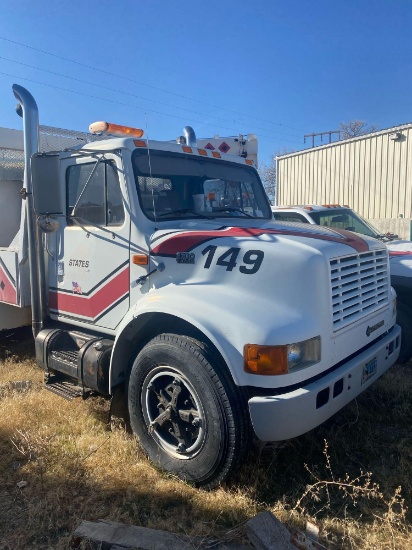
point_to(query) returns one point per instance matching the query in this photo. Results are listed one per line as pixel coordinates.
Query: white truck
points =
(341, 217)
(157, 267)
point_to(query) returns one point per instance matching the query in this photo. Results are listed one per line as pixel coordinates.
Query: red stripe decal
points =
(183, 242)
(8, 291)
(91, 306)
(400, 253)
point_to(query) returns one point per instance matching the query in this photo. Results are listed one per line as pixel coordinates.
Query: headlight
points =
(275, 360)
(303, 354)
(295, 354)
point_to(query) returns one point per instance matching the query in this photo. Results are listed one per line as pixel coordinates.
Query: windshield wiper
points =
(232, 209)
(183, 211)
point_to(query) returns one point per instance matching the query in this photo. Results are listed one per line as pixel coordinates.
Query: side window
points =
(93, 194)
(114, 202)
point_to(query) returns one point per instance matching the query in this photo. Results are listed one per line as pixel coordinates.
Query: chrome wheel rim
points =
(173, 412)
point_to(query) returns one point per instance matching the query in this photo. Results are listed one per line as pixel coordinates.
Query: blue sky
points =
(279, 69)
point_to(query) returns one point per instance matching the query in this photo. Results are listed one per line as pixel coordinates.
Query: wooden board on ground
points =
(266, 532)
(109, 534)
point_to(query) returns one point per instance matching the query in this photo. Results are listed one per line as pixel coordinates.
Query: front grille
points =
(360, 285)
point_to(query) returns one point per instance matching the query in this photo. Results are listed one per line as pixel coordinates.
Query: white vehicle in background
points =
(340, 217)
(156, 269)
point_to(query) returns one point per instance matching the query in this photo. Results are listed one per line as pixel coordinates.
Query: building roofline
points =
(392, 129)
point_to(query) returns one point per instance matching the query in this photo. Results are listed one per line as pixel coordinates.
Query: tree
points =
(355, 128)
(267, 174)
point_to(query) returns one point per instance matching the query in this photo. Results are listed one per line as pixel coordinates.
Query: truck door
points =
(89, 279)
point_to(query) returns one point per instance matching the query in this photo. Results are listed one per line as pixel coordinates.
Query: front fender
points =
(219, 316)
(173, 302)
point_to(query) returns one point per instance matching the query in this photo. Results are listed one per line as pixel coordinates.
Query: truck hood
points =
(189, 236)
(400, 256)
(271, 261)
(399, 247)
(268, 283)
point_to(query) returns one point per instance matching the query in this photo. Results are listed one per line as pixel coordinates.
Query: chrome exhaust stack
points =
(27, 108)
(190, 136)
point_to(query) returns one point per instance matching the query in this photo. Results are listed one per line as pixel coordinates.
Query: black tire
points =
(404, 320)
(185, 410)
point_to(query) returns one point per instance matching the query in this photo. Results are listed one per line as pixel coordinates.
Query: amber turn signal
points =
(266, 360)
(140, 259)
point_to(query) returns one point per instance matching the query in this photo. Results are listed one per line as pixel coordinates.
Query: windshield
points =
(344, 219)
(181, 186)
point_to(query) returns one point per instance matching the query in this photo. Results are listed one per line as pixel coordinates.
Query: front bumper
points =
(288, 415)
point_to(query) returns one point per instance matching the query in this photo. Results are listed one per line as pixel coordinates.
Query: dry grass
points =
(357, 487)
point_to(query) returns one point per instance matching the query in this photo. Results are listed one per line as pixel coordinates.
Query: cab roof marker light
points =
(248, 161)
(216, 154)
(202, 152)
(187, 149)
(140, 143)
(102, 127)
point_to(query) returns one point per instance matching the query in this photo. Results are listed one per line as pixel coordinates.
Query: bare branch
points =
(355, 128)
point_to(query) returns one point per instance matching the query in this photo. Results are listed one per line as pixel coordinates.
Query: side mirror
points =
(45, 173)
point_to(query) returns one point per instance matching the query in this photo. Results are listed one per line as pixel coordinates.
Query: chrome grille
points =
(360, 285)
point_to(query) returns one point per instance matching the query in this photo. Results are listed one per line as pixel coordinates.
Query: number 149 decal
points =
(252, 259)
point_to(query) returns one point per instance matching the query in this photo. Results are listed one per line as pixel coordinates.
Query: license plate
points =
(369, 369)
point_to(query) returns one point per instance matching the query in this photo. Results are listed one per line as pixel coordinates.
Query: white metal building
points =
(371, 173)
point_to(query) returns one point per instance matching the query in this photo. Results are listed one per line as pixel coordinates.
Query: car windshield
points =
(344, 219)
(173, 186)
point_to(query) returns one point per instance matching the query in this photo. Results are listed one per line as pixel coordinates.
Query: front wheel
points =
(188, 415)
